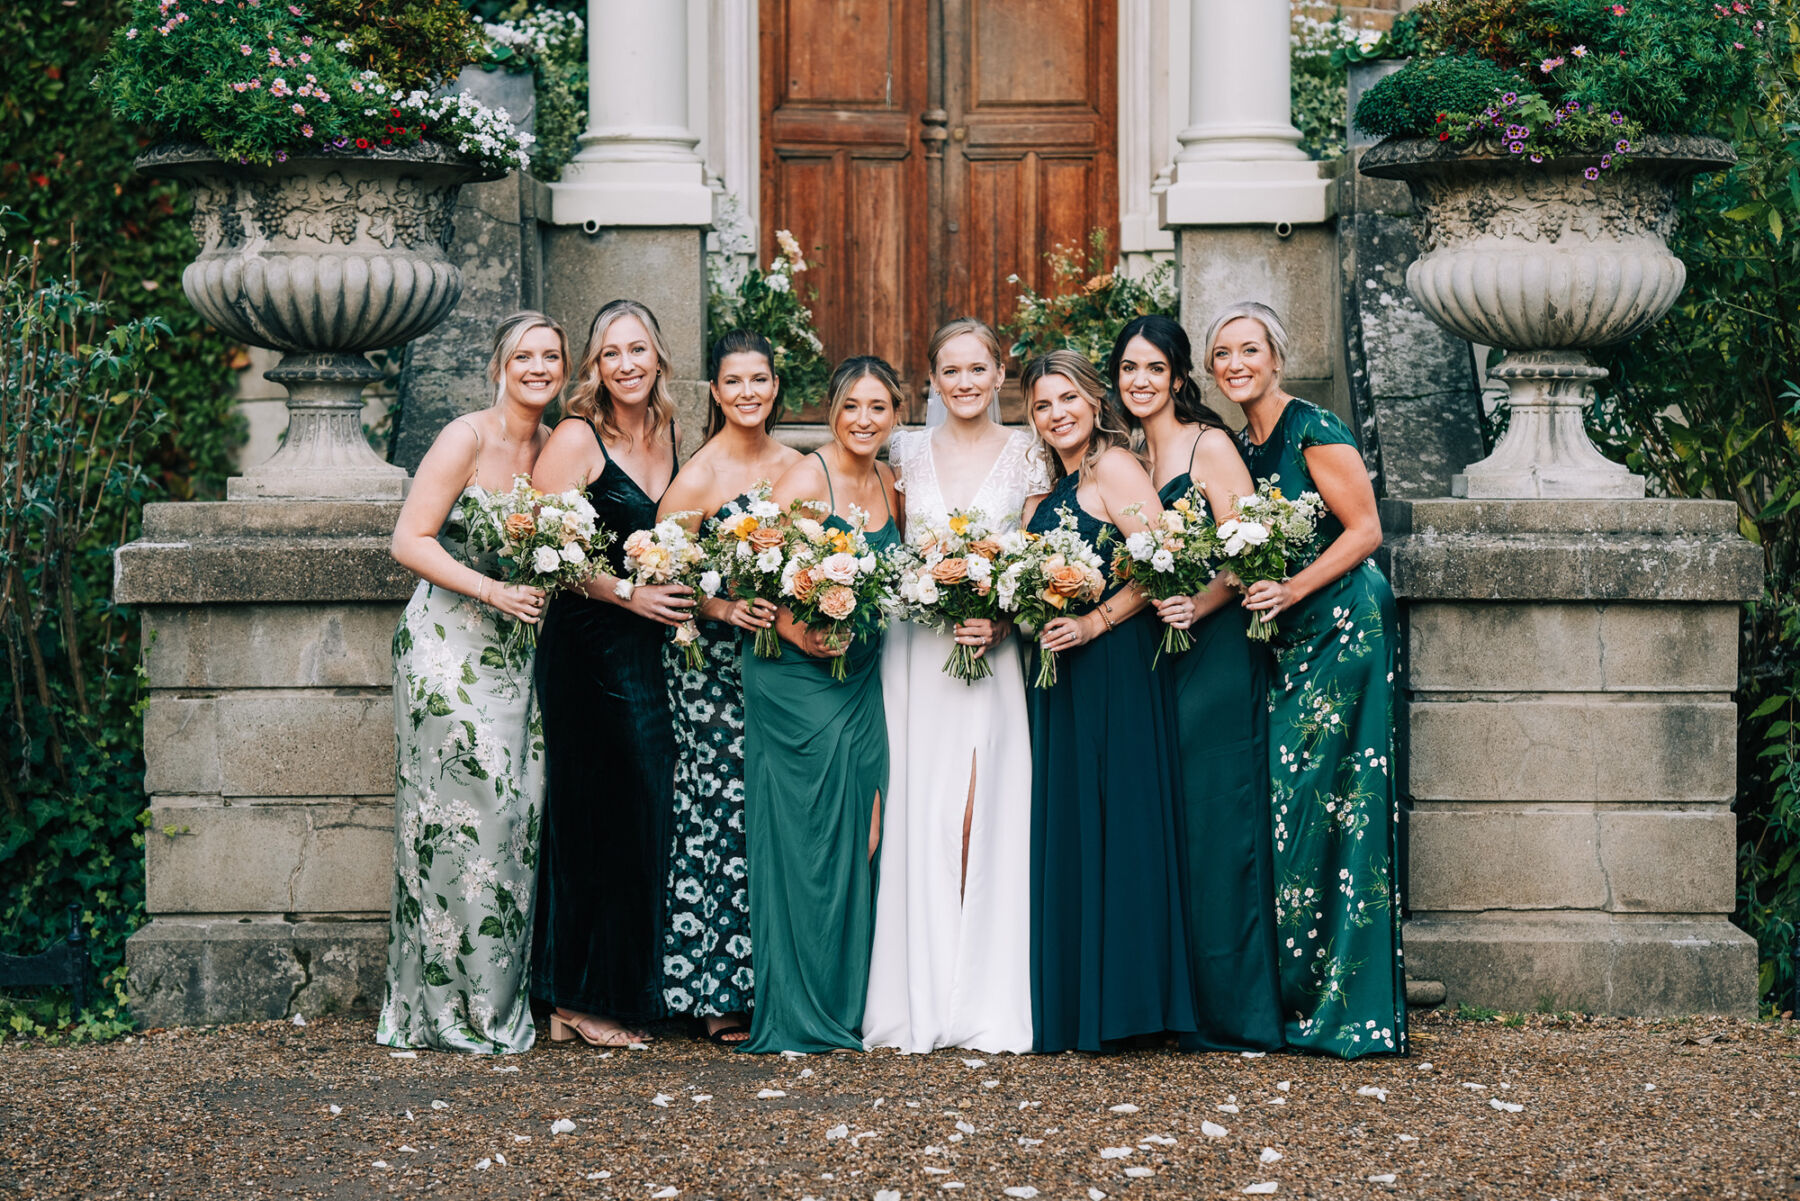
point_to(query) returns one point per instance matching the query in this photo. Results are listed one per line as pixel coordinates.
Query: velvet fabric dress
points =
(815, 757)
(1109, 950)
(1331, 756)
(610, 744)
(1217, 691)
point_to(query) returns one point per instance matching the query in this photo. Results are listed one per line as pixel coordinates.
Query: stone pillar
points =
(631, 210)
(269, 756)
(1572, 751)
(1250, 211)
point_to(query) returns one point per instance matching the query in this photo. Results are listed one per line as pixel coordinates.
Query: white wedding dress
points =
(950, 970)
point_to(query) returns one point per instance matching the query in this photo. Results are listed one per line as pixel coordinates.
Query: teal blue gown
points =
(1331, 756)
(815, 758)
(1109, 950)
(1217, 691)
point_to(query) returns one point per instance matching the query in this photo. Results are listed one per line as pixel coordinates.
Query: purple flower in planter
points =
(1617, 117)
(1622, 145)
(1510, 98)
(1592, 173)
(1517, 148)
(1537, 158)
(1605, 161)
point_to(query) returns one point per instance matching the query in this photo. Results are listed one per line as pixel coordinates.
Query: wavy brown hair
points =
(1109, 426)
(593, 403)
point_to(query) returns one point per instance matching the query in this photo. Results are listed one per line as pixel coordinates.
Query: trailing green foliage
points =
(1320, 50)
(771, 303)
(1647, 66)
(550, 42)
(1086, 303)
(66, 165)
(1706, 405)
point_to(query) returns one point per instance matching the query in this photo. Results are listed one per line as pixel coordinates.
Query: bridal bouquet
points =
(1045, 577)
(945, 576)
(1270, 532)
(1173, 557)
(834, 581)
(667, 553)
(547, 540)
(747, 547)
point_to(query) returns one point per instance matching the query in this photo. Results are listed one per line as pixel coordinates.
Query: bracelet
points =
(481, 594)
(1105, 617)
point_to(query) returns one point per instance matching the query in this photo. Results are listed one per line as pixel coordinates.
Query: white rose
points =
(1253, 532)
(1228, 529)
(1140, 545)
(572, 553)
(980, 569)
(867, 563)
(769, 560)
(1162, 560)
(549, 515)
(545, 560)
(928, 592)
(763, 510)
(1234, 546)
(711, 582)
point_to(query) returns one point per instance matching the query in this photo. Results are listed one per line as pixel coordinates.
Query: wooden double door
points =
(925, 151)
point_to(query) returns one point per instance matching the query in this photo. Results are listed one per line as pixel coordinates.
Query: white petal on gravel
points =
(403, 1054)
(1504, 1084)
(701, 1097)
(1213, 1130)
(380, 1163)
(1424, 1067)
(765, 1094)
(1505, 1106)
(938, 1171)
(661, 1100)
(639, 1047)
(805, 1072)
(951, 1184)
(1161, 1140)
(793, 1054)
(974, 1063)
(1284, 1085)
(511, 1067)
(1277, 1101)
(1128, 1107)
(1269, 1155)
(1254, 1054)
(409, 1116)
(879, 1102)
(1382, 1178)
(1261, 1186)
(1030, 1142)
(1114, 1152)
(1649, 1088)
(440, 1105)
(1033, 1104)
(1407, 1138)
(955, 1138)
(1480, 1088)
(1369, 1090)
(521, 1138)
(934, 1150)
(604, 1055)
(990, 1084)
(966, 1127)
(837, 1132)
(335, 1109)
(500, 1159)
(1095, 1194)
(888, 1194)
(1226, 1108)
(406, 1150)
(562, 1126)
(599, 1175)
(857, 1138)
(1139, 1172)
(482, 1165)
(1020, 1190)
(298, 1020)
(668, 1191)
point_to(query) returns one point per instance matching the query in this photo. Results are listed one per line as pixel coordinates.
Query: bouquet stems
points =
(1046, 676)
(963, 664)
(1262, 627)
(768, 644)
(1174, 641)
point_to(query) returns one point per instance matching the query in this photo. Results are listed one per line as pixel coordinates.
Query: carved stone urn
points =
(1546, 263)
(325, 258)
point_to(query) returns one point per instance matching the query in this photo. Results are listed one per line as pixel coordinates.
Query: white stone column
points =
(637, 164)
(1240, 160)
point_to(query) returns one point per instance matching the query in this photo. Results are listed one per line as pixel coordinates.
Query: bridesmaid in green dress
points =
(1109, 954)
(1331, 725)
(1218, 693)
(707, 969)
(816, 759)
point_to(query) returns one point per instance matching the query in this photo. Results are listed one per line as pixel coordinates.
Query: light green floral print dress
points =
(1331, 753)
(468, 799)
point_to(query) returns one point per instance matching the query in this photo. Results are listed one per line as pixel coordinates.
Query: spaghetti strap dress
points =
(1109, 952)
(610, 745)
(1331, 754)
(815, 758)
(1217, 691)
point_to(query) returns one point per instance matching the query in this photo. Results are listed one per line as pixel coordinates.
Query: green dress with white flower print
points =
(1331, 751)
(468, 799)
(706, 920)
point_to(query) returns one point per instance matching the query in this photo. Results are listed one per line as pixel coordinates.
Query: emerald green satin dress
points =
(1217, 691)
(1331, 762)
(815, 757)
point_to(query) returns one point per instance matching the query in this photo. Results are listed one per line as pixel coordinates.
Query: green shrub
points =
(1087, 303)
(771, 303)
(1409, 101)
(413, 45)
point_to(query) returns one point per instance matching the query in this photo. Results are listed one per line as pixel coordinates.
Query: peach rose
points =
(638, 542)
(987, 548)
(950, 571)
(805, 584)
(837, 602)
(1069, 579)
(1055, 599)
(520, 525)
(764, 538)
(839, 568)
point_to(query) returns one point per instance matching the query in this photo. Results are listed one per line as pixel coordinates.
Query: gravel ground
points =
(1550, 1108)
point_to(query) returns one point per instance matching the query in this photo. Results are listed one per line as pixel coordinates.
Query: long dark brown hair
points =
(1167, 335)
(740, 341)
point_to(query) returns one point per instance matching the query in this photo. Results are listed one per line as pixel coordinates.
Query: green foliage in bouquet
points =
(774, 304)
(1087, 303)
(1560, 76)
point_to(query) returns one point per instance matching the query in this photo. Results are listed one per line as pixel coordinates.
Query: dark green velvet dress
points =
(815, 756)
(1331, 756)
(1109, 956)
(1217, 691)
(609, 741)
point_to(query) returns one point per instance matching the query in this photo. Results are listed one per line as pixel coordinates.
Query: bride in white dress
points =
(952, 958)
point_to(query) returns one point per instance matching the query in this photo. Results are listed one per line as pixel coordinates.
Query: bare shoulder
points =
(805, 479)
(1119, 467)
(1217, 451)
(453, 451)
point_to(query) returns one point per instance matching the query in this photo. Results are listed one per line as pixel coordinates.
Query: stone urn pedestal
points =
(268, 617)
(1546, 262)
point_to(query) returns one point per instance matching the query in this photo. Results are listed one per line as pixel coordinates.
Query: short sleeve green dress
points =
(815, 757)
(1217, 694)
(1331, 755)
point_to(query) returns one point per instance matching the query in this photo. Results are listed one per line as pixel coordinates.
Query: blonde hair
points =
(1109, 426)
(1264, 316)
(956, 329)
(848, 374)
(593, 403)
(507, 336)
